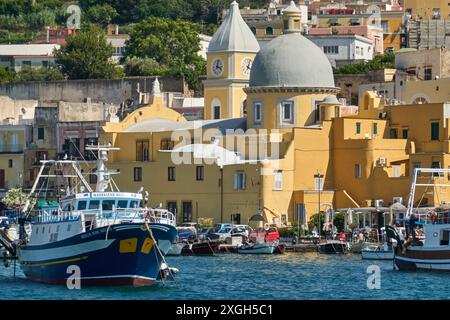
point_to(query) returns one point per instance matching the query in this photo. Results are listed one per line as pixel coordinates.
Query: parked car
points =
(269, 233)
(221, 226)
(186, 234)
(229, 232)
(247, 228)
(207, 234)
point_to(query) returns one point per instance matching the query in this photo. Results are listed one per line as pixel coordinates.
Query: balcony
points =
(11, 148)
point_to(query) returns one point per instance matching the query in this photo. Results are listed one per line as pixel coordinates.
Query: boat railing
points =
(433, 217)
(161, 216)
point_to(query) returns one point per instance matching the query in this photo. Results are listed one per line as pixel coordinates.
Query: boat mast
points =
(104, 179)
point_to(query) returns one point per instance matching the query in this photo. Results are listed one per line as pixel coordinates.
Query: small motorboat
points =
(258, 248)
(166, 272)
(280, 249)
(378, 253)
(176, 248)
(333, 246)
(201, 248)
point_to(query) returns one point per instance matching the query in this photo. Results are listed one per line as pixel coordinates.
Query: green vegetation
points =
(165, 46)
(338, 221)
(87, 55)
(30, 74)
(385, 61)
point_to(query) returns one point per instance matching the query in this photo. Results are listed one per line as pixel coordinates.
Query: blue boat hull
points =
(123, 255)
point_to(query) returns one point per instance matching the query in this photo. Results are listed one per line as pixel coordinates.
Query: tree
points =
(87, 55)
(135, 66)
(6, 75)
(39, 74)
(384, 61)
(15, 198)
(172, 44)
(101, 14)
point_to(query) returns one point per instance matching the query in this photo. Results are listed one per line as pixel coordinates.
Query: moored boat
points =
(104, 236)
(176, 248)
(258, 248)
(333, 246)
(201, 248)
(378, 253)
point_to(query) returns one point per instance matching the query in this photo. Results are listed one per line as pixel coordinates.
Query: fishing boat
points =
(104, 234)
(333, 246)
(176, 248)
(432, 251)
(258, 248)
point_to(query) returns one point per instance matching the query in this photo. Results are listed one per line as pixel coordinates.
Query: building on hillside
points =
(294, 142)
(368, 31)
(429, 9)
(16, 56)
(344, 49)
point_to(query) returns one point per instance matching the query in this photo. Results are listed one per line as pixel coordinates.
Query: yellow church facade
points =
(275, 139)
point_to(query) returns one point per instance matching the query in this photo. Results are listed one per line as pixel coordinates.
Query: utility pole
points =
(319, 178)
(221, 189)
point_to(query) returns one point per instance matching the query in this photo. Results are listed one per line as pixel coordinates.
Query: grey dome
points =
(291, 60)
(233, 34)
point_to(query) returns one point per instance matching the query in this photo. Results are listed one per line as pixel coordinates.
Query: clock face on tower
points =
(217, 67)
(246, 66)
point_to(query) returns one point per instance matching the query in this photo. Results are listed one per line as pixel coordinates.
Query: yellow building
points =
(429, 9)
(292, 146)
(13, 141)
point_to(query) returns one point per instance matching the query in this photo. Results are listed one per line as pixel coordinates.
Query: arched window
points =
(269, 31)
(420, 100)
(216, 109)
(253, 30)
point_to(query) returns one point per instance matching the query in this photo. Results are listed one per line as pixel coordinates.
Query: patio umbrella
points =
(257, 218)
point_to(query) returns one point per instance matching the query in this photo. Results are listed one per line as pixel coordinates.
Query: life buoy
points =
(266, 227)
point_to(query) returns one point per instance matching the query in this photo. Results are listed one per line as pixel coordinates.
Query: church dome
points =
(291, 60)
(233, 34)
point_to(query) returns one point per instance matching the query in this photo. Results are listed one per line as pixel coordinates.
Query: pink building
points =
(371, 32)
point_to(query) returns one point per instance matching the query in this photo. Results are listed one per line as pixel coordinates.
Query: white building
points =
(204, 45)
(344, 49)
(15, 56)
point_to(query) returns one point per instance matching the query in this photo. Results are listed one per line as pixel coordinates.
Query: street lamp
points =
(318, 177)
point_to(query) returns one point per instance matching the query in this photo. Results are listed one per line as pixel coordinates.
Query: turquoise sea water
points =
(232, 276)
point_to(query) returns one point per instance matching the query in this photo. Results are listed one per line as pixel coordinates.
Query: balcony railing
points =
(11, 148)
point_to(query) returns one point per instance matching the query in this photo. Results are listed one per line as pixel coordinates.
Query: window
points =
(187, 211)
(435, 131)
(122, 204)
(134, 204)
(216, 111)
(45, 64)
(357, 171)
(435, 165)
(10, 163)
(358, 127)
(236, 218)
(253, 30)
(396, 171)
(393, 133)
(239, 181)
(331, 49)
(137, 174)
(92, 176)
(172, 206)
(428, 73)
(171, 173)
(94, 204)
(385, 26)
(26, 63)
(166, 144)
(278, 180)
(269, 31)
(41, 133)
(257, 112)
(445, 236)
(199, 174)
(82, 205)
(375, 128)
(107, 205)
(142, 148)
(405, 132)
(287, 111)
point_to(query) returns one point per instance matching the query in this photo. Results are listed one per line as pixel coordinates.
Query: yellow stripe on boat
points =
(55, 262)
(128, 245)
(147, 245)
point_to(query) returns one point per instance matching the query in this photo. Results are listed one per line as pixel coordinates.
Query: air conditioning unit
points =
(382, 161)
(379, 203)
(397, 199)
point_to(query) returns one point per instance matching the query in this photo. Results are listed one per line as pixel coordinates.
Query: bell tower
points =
(229, 59)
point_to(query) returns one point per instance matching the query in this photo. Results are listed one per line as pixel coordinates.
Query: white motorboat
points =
(175, 249)
(378, 253)
(258, 248)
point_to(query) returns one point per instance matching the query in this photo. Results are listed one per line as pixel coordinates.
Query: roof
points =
(28, 49)
(233, 34)
(291, 60)
(292, 8)
(160, 125)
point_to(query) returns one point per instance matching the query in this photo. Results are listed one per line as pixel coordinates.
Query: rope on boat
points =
(162, 256)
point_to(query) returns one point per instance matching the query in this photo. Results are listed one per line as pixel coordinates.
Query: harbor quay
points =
(267, 163)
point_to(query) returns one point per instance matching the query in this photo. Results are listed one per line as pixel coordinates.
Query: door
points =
(187, 211)
(2, 179)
